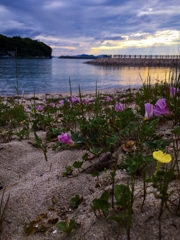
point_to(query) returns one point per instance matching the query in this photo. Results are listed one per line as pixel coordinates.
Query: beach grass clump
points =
(103, 125)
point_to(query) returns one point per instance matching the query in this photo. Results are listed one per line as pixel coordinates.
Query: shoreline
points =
(74, 94)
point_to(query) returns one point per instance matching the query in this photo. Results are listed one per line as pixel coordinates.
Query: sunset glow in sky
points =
(96, 27)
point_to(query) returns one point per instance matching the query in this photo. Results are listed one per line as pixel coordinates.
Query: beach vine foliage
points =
(101, 125)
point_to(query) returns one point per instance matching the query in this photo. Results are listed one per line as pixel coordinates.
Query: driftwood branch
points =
(103, 162)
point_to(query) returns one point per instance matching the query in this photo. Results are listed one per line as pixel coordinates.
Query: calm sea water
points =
(52, 76)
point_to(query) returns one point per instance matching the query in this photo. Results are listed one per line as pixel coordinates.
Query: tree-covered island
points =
(23, 48)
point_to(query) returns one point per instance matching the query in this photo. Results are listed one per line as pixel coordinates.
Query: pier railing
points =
(146, 56)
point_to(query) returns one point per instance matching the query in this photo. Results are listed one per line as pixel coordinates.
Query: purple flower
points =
(148, 110)
(61, 102)
(65, 138)
(86, 101)
(161, 108)
(119, 107)
(44, 100)
(27, 109)
(75, 99)
(109, 98)
(39, 108)
(52, 104)
(173, 91)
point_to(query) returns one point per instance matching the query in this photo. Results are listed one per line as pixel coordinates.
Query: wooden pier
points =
(138, 60)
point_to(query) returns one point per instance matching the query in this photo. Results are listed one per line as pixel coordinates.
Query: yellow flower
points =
(162, 157)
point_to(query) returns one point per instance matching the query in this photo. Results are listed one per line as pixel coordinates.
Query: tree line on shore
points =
(23, 47)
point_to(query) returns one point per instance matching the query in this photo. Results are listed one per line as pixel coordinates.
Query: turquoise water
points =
(52, 76)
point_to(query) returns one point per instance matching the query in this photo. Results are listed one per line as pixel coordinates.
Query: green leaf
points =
(112, 140)
(74, 202)
(66, 227)
(154, 122)
(132, 168)
(77, 138)
(77, 164)
(95, 173)
(95, 151)
(105, 195)
(159, 144)
(62, 226)
(122, 194)
(148, 159)
(150, 145)
(68, 169)
(176, 131)
(71, 225)
(101, 203)
(85, 156)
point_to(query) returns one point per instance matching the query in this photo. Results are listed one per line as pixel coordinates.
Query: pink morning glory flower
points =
(148, 110)
(173, 91)
(119, 107)
(75, 99)
(52, 104)
(61, 102)
(86, 101)
(39, 108)
(27, 109)
(109, 98)
(66, 138)
(161, 108)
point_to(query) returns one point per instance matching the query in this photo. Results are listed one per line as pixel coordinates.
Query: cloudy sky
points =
(96, 27)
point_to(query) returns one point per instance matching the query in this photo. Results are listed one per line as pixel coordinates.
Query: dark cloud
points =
(88, 23)
(116, 38)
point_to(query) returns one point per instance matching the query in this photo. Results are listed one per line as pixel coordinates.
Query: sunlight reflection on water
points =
(52, 75)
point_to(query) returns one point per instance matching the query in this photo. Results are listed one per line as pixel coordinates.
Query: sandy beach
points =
(39, 195)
